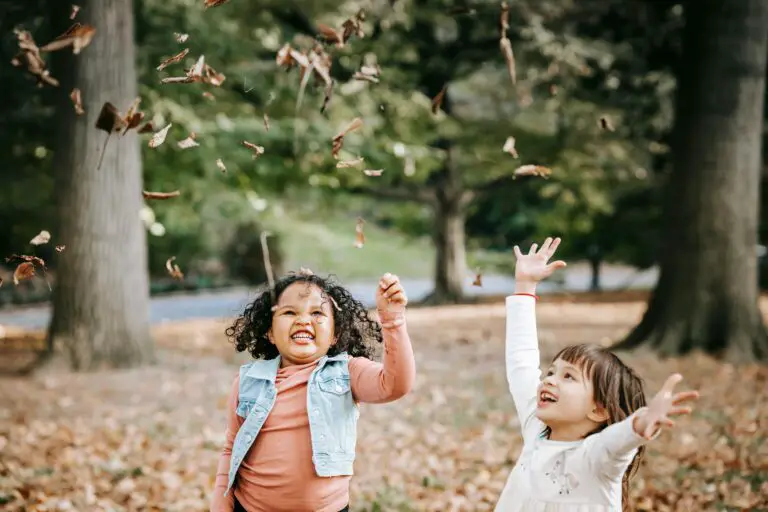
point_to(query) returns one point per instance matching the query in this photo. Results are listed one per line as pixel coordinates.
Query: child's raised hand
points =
(390, 295)
(663, 406)
(533, 267)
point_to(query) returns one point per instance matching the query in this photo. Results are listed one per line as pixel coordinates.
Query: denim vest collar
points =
(267, 369)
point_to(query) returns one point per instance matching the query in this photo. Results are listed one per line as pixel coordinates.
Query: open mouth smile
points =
(302, 337)
(546, 398)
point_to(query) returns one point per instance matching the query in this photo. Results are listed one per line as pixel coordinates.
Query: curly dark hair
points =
(356, 331)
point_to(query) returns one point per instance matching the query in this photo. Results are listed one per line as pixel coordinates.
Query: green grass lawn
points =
(323, 240)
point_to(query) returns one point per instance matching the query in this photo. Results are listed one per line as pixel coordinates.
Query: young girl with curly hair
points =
(292, 412)
(586, 423)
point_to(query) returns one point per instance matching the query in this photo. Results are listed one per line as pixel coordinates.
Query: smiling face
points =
(302, 324)
(566, 402)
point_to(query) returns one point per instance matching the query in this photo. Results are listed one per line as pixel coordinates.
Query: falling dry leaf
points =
(509, 147)
(75, 10)
(208, 95)
(170, 60)
(25, 270)
(368, 73)
(327, 97)
(29, 56)
(78, 36)
(257, 150)
(180, 38)
(266, 122)
(505, 44)
(77, 100)
(221, 165)
(160, 195)
(199, 72)
(605, 124)
(41, 238)
(338, 140)
(189, 142)
(438, 99)
(478, 279)
(60, 248)
(350, 26)
(173, 269)
(532, 170)
(159, 137)
(148, 127)
(214, 3)
(371, 172)
(359, 235)
(344, 164)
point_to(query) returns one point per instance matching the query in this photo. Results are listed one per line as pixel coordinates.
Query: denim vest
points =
(332, 413)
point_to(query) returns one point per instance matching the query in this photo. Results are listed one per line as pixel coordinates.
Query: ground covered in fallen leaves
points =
(149, 439)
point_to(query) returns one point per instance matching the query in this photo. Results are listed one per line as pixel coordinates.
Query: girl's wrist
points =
(525, 287)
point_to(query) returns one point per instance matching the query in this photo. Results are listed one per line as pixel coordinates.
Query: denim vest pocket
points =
(335, 385)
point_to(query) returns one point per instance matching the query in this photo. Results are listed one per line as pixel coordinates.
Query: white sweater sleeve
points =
(523, 361)
(611, 451)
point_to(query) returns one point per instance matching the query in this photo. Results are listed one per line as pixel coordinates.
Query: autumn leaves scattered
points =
(26, 267)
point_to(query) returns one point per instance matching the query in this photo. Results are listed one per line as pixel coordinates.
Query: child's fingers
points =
(387, 280)
(556, 265)
(685, 396)
(545, 245)
(680, 411)
(394, 288)
(518, 254)
(669, 385)
(399, 298)
(553, 247)
(532, 250)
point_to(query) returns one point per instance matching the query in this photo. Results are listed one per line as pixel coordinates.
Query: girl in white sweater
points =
(584, 425)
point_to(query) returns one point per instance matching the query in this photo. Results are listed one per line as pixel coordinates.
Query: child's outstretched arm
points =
(522, 345)
(219, 502)
(380, 383)
(615, 446)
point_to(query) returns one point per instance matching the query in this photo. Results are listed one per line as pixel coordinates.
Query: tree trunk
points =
(706, 296)
(101, 300)
(450, 251)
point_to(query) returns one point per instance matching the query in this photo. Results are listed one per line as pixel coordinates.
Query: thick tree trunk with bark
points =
(707, 293)
(450, 250)
(101, 300)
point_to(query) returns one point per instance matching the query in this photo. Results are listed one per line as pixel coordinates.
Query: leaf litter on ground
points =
(120, 440)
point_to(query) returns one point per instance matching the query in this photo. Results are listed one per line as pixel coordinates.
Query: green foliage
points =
(245, 256)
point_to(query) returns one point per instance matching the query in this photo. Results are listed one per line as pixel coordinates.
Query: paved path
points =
(225, 304)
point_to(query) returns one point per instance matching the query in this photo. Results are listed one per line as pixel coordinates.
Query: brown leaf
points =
(509, 56)
(78, 36)
(368, 73)
(214, 3)
(75, 10)
(41, 238)
(148, 127)
(338, 140)
(359, 235)
(438, 99)
(159, 137)
(189, 142)
(509, 147)
(29, 56)
(160, 195)
(266, 121)
(220, 164)
(170, 60)
(257, 150)
(60, 248)
(208, 95)
(180, 38)
(24, 270)
(109, 119)
(77, 100)
(354, 26)
(344, 164)
(478, 279)
(371, 172)
(532, 170)
(331, 34)
(605, 124)
(173, 270)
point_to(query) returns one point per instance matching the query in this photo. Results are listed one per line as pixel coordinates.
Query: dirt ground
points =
(149, 438)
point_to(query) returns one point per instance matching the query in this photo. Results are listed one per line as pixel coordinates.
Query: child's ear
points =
(269, 335)
(599, 414)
